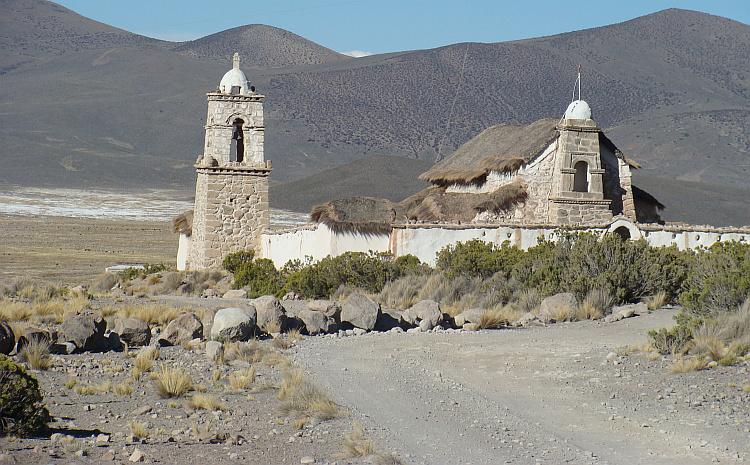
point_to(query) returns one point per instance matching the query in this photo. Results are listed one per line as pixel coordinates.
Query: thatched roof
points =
(361, 215)
(183, 223)
(434, 204)
(505, 147)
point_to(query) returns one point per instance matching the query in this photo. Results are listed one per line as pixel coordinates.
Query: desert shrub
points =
(477, 258)
(133, 272)
(528, 300)
(36, 354)
(104, 282)
(260, 277)
(718, 280)
(674, 340)
(172, 382)
(21, 409)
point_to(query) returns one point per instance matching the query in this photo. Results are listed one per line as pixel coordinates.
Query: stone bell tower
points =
(231, 192)
(578, 186)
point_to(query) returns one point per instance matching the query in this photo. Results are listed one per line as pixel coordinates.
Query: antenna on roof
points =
(578, 85)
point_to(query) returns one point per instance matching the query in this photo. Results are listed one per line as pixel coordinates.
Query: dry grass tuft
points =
(528, 301)
(495, 318)
(158, 314)
(300, 397)
(251, 352)
(172, 382)
(282, 342)
(14, 311)
(205, 402)
(683, 365)
(123, 389)
(144, 361)
(242, 379)
(560, 314)
(386, 459)
(594, 306)
(356, 443)
(70, 383)
(656, 301)
(36, 354)
(139, 429)
(708, 341)
(273, 327)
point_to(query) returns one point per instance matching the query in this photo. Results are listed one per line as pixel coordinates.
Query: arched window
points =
(581, 177)
(623, 232)
(237, 151)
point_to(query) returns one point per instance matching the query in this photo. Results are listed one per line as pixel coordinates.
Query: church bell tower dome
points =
(235, 81)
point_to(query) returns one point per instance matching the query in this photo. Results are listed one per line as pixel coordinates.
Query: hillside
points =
(87, 105)
(381, 176)
(264, 46)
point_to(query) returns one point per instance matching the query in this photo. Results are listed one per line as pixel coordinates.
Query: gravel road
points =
(565, 393)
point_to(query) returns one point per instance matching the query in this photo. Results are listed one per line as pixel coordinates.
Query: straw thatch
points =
(435, 205)
(505, 147)
(183, 223)
(360, 215)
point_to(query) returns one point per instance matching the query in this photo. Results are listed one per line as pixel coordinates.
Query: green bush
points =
(718, 280)
(261, 276)
(132, 272)
(21, 409)
(477, 258)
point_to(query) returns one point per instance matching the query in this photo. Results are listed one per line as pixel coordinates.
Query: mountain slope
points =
(263, 46)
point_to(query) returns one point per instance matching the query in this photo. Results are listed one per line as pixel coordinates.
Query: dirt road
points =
(556, 394)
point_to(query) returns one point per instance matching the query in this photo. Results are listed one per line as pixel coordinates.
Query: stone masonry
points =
(231, 194)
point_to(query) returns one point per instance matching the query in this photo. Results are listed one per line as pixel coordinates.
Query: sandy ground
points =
(556, 394)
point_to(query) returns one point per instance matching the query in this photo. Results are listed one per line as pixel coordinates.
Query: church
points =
(516, 183)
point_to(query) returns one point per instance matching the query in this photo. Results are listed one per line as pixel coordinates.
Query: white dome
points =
(235, 81)
(578, 109)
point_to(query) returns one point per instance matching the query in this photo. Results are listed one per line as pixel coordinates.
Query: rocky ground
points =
(567, 392)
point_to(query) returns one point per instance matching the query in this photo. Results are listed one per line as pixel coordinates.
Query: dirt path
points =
(545, 394)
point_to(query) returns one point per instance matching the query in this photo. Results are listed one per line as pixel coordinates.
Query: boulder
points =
(360, 311)
(293, 307)
(181, 330)
(86, 331)
(271, 315)
(472, 315)
(133, 331)
(631, 310)
(214, 350)
(291, 296)
(425, 314)
(526, 320)
(326, 307)
(235, 294)
(233, 324)
(7, 338)
(388, 320)
(208, 320)
(317, 322)
(35, 334)
(555, 305)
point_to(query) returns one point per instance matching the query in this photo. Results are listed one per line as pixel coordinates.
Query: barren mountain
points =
(87, 105)
(263, 46)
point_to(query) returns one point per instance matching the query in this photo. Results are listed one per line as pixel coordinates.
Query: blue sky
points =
(380, 26)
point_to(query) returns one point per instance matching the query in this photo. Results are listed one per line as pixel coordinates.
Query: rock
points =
(471, 327)
(426, 314)
(102, 439)
(388, 319)
(35, 334)
(233, 324)
(306, 460)
(7, 338)
(114, 342)
(214, 350)
(473, 315)
(208, 320)
(142, 410)
(360, 311)
(612, 317)
(108, 457)
(555, 305)
(293, 307)
(86, 331)
(526, 320)
(641, 309)
(136, 456)
(208, 293)
(317, 322)
(630, 310)
(271, 315)
(326, 307)
(235, 294)
(65, 348)
(359, 332)
(133, 331)
(181, 330)
(291, 296)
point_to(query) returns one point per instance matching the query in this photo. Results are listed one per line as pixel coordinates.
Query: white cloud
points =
(357, 53)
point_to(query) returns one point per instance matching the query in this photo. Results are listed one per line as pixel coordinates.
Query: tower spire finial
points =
(236, 61)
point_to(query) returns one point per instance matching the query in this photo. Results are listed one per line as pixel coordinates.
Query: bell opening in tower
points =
(237, 152)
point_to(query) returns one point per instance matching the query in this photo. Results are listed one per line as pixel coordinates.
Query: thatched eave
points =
(359, 215)
(435, 204)
(183, 223)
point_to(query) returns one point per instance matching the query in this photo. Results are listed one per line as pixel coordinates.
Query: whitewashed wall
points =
(424, 241)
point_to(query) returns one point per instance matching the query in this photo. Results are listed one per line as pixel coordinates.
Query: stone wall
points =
(223, 109)
(231, 212)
